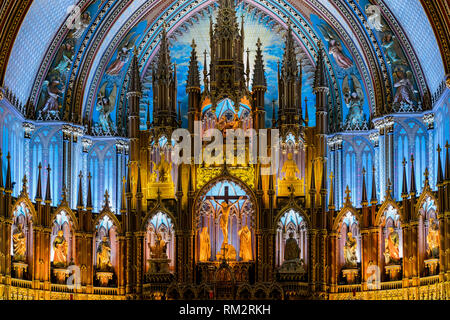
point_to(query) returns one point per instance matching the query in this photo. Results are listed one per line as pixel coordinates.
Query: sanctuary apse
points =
(232, 229)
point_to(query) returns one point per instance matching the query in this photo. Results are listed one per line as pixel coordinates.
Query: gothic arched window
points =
(160, 225)
(350, 167)
(62, 240)
(55, 161)
(95, 182)
(292, 222)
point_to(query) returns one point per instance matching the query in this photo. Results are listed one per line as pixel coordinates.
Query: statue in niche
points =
(225, 207)
(290, 168)
(391, 251)
(405, 90)
(291, 249)
(205, 245)
(60, 247)
(292, 262)
(19, 244)
(354, 99)
(158, 251)
(433, 240)
(104, 255)
(350, 251)
(163, 168)
(245, 251)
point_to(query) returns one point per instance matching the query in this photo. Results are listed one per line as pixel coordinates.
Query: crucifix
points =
(225, 206)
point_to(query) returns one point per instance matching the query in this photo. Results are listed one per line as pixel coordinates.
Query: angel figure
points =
(354, 99)
(51, 92)
(335, 47)
(123, 54)
(64, 58)
(405, 90)
(374, 17)
(106, 105)
(388, 43)
(81, 25)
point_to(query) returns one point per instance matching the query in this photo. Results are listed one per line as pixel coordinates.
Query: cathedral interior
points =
(354, 96)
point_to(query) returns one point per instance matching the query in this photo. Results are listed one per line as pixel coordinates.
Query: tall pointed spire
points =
(38, 197)
(193, 79)
(373, 198)
(80, 191)
(320, 77)
(440, 175)
(364, 201)
(1, 170)
(331, 195)
(447, 162)
(89, 194)
(48, 196)
(135, 80)
(313, 177)
(8, 185)
(405, 183)
(259, 77)
(413, 190)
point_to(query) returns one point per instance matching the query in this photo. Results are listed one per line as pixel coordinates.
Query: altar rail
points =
(349, 288)
(429, 280)
(20, 283)
(391, 285)
(105, 291)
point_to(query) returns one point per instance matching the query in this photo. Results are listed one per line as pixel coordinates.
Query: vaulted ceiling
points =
(367, 41)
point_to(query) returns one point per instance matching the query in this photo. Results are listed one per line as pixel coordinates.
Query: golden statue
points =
(205, 245)
(163, 168)
(391, 243)
(158, 251)
(291, 248)
(104, 255)
(19, 244)
(290, 168)
(225, 208)
(60, 250)
(245, 251)
(433, 240)
(350, 251)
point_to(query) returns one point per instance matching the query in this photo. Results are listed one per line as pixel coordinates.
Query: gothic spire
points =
(1, 170)
(440, 175)
(80, 191)
(193, 79)
(331, 196)
(405, 183)
(447, 162)
(364, 188)
(320, 77)
(373, 198)
(38, 197)
(289, 68)
(413, 190)
(135, 80)
(313, 177)
(48, 196)
(89, 193)
(164, 63)
(259, 77)
(8, 184)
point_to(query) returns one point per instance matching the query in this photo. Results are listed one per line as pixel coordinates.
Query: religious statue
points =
(391, 243)
(354, 99)
(388, 43)
(350, 251)
(225, 208)
(163, 168)
(19, 244)
(245, 251)
(290, 168)
(403, 83)
(433, 240)
(104, 255)
(291, 249)
(60, 250)
(205, 245)
(158, 251)
(106, 104)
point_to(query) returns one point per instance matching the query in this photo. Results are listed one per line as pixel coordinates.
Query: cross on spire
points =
(347, 197)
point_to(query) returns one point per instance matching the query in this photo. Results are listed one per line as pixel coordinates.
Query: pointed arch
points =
(426, 193)
(384, 207)
(65, 208)
(340, 216)
(110, 215)
(28, 204)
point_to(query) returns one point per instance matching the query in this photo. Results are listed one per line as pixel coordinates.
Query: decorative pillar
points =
(428, 119)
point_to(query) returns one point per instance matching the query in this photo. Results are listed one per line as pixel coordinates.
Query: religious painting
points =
(105, 245)
(391, 237)
(21, 233)
(225, 224)
(349, 242)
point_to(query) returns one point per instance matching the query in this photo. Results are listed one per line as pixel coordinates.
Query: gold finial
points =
(412, 158)
(439, 149)
(389, 186)
(426, 174)
(24, 183)
(331, 176)
(404, 162)
(80, 175)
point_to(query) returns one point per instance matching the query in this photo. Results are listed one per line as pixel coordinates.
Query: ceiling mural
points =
(351, 72)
